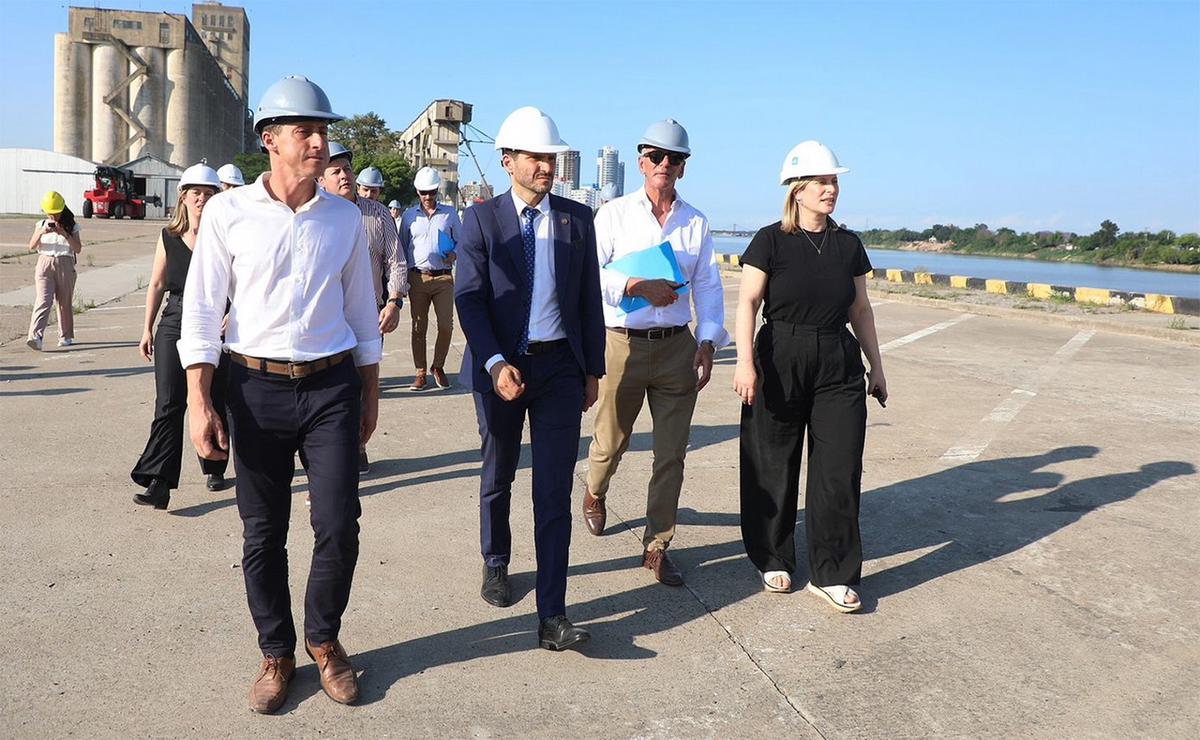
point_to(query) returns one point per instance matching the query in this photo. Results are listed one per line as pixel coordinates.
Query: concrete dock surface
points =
(1029, 513)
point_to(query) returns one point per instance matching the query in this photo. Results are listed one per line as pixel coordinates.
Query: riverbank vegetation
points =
(1107, 245)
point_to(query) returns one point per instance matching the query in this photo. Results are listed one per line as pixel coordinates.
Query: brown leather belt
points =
(654, 333)
(430, 273)
(292, 370)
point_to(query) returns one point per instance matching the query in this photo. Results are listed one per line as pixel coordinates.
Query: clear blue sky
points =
(1024, 114)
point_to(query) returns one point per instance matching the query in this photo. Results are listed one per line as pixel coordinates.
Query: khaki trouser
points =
(438, 290)
(53, 282)
(659, 370)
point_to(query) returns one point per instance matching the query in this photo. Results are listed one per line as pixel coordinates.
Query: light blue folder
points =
(446, 245)
(657, 262)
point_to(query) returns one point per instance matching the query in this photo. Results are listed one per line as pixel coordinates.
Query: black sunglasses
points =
(426, 192)
(656, 156)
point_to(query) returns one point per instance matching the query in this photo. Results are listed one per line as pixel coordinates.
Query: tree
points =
(366, 133)
(252, 165)
(1107, 235)
(397, 175)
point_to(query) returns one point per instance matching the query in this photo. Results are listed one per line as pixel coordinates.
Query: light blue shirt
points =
(419, 235)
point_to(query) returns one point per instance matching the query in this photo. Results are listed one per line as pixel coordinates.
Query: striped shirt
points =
(387, 262)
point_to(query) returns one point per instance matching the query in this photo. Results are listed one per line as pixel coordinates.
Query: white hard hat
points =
(810, 159)
(370, 177)
(427, 179)
(199, 174)
(294, 97)
(609, 191)
(395, 204)
(230, 175)
(667, 135)
(530, 130)
(337, 150)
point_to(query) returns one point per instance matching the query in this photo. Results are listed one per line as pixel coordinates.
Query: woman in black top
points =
(804, 373)
(158, 468)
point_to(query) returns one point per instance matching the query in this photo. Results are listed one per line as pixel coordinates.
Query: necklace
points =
(824, 236)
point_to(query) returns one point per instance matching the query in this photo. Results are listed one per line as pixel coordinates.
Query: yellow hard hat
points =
(53, 203)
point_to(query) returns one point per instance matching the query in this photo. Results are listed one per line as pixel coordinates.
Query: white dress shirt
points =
(419, 235)
(545, 318)
(299, 283)
(627, 224)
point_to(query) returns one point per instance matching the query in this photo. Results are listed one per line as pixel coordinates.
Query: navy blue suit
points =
(490, 290)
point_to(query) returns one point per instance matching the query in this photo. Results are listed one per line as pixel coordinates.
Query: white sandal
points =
(835, 596)
(771, 575)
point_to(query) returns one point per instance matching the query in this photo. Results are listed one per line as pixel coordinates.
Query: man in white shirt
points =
(291, 259)
(423, 229)
(651, 352)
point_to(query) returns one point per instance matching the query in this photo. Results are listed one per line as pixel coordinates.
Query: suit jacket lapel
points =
(510, 235)
(560, 228)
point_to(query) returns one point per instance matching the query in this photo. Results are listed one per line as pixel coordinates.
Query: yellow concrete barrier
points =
(895, 276)
(996, 286)
(958, 281)
(734, 260)
(1039, 290)
(1092, 295)
(1159, 303)
(922, 278)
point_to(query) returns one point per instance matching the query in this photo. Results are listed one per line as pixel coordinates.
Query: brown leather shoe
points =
(420, 383)
(664, 570)
(439, 377)
(269, 690)
(594, 513)
(337, 676)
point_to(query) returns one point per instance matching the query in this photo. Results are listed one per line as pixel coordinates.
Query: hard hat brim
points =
(664, 147)
(544, 149)
(786, 180)
(293, 116)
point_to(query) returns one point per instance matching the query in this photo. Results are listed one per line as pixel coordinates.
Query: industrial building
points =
(130, 84)
(432, 139)
(28, 173)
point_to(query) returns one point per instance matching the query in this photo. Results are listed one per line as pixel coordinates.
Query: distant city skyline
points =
(1030, 115)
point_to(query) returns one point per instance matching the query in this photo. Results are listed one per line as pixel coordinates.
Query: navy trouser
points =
(553, 400)
(163, 455)
(272, 418)
(809, 380)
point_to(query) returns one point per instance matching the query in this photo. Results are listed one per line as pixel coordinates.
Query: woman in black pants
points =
(158, 468)
(804, 374)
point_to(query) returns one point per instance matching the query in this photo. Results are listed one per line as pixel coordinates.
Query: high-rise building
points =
(608, 169)
(590, 197)
(474, 192)
(620, 179)
(566, 167)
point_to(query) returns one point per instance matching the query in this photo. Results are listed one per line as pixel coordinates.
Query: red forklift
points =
(114, 195)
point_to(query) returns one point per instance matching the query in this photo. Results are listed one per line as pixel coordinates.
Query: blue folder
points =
(446, 245)
(657, 262)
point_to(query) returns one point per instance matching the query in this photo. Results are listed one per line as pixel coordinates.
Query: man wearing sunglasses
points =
(428, 233)
(651, 352)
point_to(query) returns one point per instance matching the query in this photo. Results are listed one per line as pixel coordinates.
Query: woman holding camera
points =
(803, 376)
(158, 468)
(56, 240)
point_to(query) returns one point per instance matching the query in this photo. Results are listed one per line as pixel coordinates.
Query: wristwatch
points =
(397, 301)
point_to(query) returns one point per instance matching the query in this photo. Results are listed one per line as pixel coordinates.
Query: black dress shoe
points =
(157, 494)
(557, 633)
(495, 589)
(215, 482)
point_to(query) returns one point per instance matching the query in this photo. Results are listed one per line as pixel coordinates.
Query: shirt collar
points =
(644, 200)
(258, 192)
(543, 206)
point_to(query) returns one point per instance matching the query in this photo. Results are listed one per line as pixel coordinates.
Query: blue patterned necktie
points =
(528, 240)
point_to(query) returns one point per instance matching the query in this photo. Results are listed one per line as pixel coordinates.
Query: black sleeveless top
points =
(179, 257)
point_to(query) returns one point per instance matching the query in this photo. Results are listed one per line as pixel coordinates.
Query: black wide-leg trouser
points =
(163, 454)
(810, 379)
(273, 417)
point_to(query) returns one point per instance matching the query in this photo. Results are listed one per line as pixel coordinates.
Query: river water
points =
(1068, 274)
